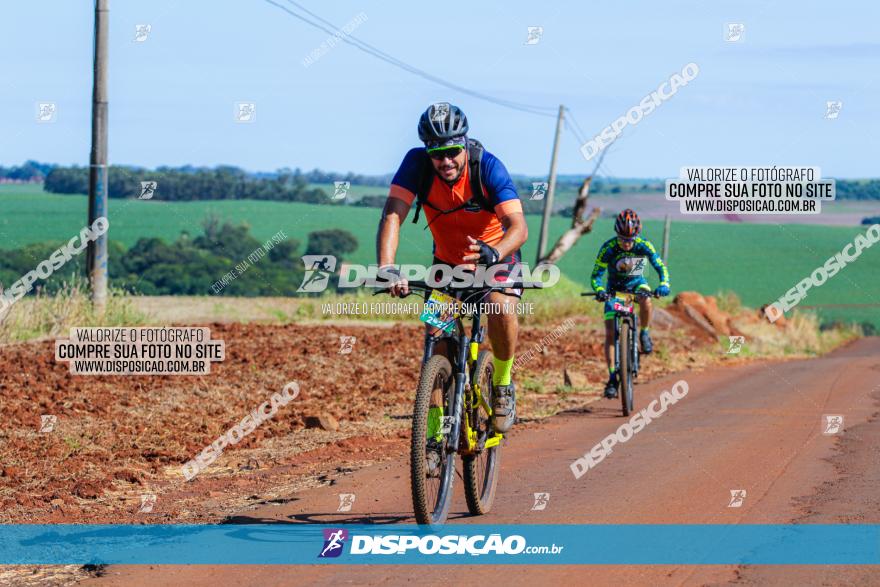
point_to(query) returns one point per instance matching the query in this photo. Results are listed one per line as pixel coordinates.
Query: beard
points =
(458, 172)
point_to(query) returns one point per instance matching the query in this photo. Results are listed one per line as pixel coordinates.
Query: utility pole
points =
(666, 228)
(97, 250)
(548, 200)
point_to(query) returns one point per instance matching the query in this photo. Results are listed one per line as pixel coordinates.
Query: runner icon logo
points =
(148, 500)
(141, 32)
(318, 270)
(832, 109)
(346, 501)
(541, 501)
(631, 266)
(535, 33)
(245, 112)
(737, 497)
(833, 424)
(441, 112)
(47, 112)
(346, 344)
(148, 188)
(734, 33)
(47, 422)
(539, 190)
(340, 189)
(736, 343)
(333, 542)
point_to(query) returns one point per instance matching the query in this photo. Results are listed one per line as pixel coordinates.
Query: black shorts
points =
(509, 263)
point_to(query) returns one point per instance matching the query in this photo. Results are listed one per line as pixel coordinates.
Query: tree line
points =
(27, 171)
(229, 182)
(188, 184)
(225, 260)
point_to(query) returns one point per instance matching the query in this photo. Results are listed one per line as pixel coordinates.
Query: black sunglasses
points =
(440, 154)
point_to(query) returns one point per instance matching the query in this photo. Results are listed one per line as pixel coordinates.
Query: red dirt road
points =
(118, 437)
(756, 427)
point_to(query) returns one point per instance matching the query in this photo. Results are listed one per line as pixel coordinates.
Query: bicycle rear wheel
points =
(480, 470)
(432, 488)
(626, 367)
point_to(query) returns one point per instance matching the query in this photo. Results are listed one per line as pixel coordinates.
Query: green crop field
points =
(759, 262)
(355, 192)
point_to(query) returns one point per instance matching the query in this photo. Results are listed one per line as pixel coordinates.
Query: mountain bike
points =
(453, 406)
(626, 330)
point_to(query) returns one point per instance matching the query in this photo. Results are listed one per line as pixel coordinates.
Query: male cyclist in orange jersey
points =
(475, 217)
(624, 257)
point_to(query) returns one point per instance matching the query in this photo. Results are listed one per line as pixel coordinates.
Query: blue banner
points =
(287, 544)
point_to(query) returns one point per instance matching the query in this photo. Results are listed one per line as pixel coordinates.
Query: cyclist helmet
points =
(628, 224)
(441, 122)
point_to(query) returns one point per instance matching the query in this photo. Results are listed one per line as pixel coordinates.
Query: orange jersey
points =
(450, 231)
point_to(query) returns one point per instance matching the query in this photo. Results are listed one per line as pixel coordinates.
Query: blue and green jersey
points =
(626, 268)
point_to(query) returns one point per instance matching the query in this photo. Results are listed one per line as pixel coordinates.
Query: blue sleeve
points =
(497, 180)
(600, 266)
(409, 172)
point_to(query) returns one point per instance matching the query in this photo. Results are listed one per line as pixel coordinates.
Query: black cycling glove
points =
(488, 255)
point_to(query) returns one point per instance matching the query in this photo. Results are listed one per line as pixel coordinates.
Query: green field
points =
(757, 261)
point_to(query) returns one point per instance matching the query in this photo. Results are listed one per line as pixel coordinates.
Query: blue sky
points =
(757, 102)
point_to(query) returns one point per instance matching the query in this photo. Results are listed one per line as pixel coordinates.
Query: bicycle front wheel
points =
(432, 455)
(626, 367)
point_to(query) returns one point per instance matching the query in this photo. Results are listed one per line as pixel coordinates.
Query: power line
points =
(329, 28)
(379, 54)
(577, 136)
(580, 134)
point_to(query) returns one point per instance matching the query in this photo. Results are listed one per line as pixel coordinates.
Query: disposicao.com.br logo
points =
(431, 544)
(319, 269)
(334, 541)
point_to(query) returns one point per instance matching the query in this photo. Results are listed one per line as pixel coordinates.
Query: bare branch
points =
(579, 225)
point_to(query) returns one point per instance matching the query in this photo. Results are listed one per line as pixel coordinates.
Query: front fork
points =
(633, 342)
(466, 356)
(430, 341)
(633, 349)
(460, 368)
(617, 345)
(461, 383)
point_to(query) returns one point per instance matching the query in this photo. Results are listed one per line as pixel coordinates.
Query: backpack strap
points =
(427, 179)
(475, 161)
(478, 194)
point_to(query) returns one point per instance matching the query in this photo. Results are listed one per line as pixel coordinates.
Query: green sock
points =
(644, 329)
(501, 376)
(435, 422)
(611, 370)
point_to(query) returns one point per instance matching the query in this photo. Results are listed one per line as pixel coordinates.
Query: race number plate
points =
(622, 307)
(440, 311)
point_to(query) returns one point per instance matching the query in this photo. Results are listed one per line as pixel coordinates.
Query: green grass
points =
(757, 261)
(54, 315)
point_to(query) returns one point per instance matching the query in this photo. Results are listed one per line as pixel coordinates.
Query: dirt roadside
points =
(115, 439)
(119, 439)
